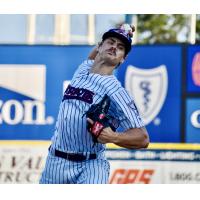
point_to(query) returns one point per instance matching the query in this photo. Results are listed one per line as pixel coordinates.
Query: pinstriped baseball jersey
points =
(71, 135)
(85, 89)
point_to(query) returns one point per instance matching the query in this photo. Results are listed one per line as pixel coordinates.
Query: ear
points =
(99, 45)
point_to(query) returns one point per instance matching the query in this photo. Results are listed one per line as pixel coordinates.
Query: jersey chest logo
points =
(148, 88)
(79, 94)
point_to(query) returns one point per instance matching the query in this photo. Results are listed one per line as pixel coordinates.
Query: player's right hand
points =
(107, 136)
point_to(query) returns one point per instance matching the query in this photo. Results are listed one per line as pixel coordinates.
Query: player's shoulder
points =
(116, 82)
(83, 68)
(113, 85)
(86, 64)
(119, 89)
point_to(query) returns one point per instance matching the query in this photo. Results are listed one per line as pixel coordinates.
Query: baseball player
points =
(74, 156)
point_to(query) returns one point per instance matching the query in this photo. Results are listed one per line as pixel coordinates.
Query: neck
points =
(100, 67)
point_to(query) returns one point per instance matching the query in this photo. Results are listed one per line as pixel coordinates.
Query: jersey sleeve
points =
(83, 68)
(128, 113)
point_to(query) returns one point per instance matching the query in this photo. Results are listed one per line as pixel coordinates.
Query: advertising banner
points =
(193, 120)
(193, 69)
(152, 75)
(33, 78)
(23, 162)
(151, 172)
(154, 166)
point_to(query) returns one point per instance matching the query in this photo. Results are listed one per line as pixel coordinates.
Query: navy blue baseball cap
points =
(121, 34)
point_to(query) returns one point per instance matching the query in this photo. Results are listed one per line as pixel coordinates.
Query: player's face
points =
(112, 50)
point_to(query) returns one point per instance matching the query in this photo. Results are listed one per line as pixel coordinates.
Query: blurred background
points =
(39, 54)
(88, 28)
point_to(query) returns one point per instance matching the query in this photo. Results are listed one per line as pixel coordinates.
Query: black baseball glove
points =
(99, 114)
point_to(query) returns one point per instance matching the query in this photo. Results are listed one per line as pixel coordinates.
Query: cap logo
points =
(122, 32)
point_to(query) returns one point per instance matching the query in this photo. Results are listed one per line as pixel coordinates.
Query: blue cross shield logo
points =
(148, 88)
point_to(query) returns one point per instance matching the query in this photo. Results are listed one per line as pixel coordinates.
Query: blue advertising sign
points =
(31, 87)
(193, 68)
(193, 120)
(152, 74)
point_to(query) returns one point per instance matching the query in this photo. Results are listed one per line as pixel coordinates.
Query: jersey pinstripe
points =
(86, 88)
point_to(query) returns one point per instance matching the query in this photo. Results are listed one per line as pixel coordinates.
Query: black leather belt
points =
(73, 156)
